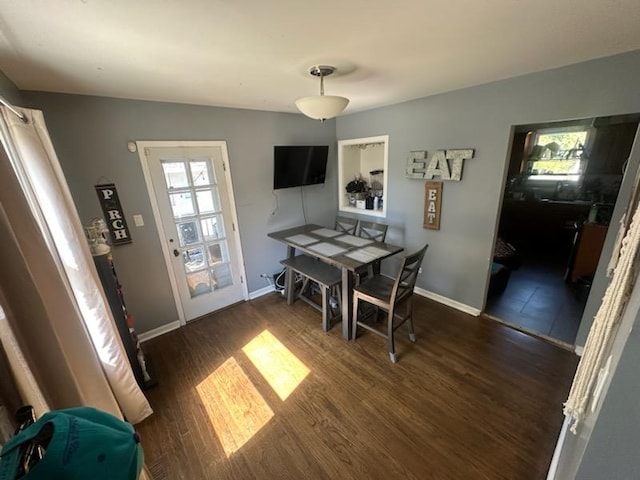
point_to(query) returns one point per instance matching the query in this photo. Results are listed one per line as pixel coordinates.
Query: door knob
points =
(176, 253)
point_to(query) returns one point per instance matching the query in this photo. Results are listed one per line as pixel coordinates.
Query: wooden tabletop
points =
(335, 248)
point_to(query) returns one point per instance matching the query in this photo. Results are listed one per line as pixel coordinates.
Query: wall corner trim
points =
(161, 330)
(448, 302)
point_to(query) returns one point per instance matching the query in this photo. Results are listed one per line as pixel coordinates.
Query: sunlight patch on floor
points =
(281, 368)
(236, 409)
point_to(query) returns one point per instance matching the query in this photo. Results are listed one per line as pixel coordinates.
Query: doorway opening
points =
(561, 187)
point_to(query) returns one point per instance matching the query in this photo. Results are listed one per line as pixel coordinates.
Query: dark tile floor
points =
(538, 300)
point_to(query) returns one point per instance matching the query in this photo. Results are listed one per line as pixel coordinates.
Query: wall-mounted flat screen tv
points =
(298, 165)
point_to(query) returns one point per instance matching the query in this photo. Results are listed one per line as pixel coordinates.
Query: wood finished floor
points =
(472, 399)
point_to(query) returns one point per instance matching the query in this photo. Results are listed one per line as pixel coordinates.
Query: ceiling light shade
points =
(322, 106)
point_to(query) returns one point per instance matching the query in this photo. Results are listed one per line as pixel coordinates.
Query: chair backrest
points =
(406, 280)
(346, 225)
(373, 231)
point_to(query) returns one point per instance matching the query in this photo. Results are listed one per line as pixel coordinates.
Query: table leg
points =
(347, 300)
(290, 278)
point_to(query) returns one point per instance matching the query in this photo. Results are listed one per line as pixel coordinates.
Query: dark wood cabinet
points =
(587, 250)
(113, 293)
(611, 149)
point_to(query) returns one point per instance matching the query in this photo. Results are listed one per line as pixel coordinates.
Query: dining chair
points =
(373, 231)
(376, 232)
(346, 225)
(391, 295)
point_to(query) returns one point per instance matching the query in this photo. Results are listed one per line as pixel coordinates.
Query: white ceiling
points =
(255, 53)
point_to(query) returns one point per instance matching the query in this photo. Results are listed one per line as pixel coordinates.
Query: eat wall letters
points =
(432, 205)
(446, 165)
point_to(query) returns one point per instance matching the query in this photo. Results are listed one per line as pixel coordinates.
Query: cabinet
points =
(587, 251)
(113, 293)
(365, 159)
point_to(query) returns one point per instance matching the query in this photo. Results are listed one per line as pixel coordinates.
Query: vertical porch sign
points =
(432, 205)
(112, 210)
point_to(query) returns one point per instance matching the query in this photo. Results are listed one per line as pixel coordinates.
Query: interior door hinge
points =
(146, 151)
(241, 279)
(233, 225)
(224, 166)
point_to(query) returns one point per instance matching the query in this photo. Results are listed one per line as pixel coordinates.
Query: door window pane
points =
(194, 259)
(181, 204)
(222, 276)
(188, 233)
(201, 174)
(217, 253)
(208, 201)
(199, 283)
(175, 174)
(212, 228)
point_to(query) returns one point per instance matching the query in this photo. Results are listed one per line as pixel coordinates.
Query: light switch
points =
(137, 219)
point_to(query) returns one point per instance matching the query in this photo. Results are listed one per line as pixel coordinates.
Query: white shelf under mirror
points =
(367, 159)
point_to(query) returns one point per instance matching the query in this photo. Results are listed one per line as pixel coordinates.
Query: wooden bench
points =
(328, 278)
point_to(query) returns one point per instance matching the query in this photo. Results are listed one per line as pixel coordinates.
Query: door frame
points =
(141, 145)
(621, 207)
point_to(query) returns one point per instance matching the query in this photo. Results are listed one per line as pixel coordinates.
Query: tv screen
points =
(295, 166)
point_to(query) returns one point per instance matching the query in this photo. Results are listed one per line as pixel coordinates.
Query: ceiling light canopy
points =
(322, 106)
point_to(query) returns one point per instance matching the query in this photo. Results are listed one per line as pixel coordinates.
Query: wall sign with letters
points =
(432, 205)
(110, 203)
(446, 165)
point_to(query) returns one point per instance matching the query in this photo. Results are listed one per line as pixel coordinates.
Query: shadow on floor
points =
(537, 299)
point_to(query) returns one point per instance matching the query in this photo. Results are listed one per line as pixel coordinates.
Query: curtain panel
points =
(59, 334)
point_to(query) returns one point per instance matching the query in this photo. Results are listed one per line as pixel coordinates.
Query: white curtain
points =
(596, 356)
(55, 324)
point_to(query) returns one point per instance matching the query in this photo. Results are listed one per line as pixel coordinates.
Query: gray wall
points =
(8, 89)
(612, 450)
(90, 135)
(592, 450)
(459, 257)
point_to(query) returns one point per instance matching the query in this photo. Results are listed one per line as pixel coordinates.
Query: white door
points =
(190, 190)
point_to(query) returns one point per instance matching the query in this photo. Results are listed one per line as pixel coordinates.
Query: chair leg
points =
(354, 319)
(392, 347)
(326, 308)
(412, 335)
(376, 268)
(334, 309)
(305, 284)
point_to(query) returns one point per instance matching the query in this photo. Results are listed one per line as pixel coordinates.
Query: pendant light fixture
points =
(322, 106)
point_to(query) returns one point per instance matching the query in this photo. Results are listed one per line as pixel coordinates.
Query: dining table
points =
(350, 253)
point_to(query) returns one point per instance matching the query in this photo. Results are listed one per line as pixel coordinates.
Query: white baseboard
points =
(579, 350)
(553, 468)
(156, 332)
(448, 302)
(260, 292)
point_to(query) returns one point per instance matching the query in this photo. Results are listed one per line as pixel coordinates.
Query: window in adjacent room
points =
(558, 153)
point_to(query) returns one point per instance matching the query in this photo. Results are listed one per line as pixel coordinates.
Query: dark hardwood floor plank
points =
(471, 399)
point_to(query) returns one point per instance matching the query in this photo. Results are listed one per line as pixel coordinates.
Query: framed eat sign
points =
(432, 205)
